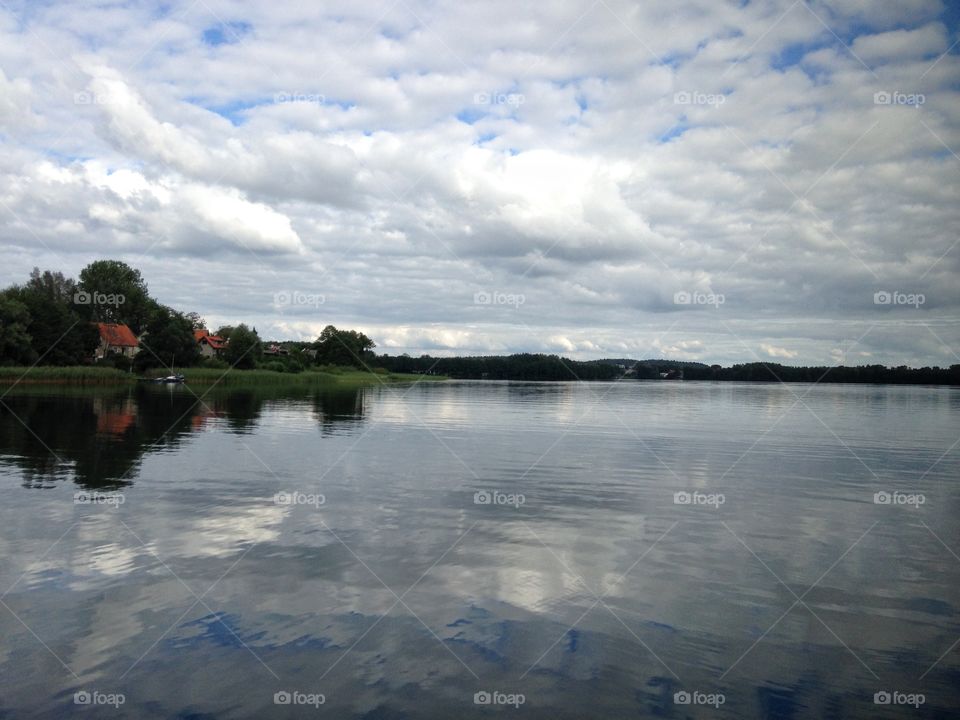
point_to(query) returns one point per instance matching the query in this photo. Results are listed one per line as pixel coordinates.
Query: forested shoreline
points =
(526, 366)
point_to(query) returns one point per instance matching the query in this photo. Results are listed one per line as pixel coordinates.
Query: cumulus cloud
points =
(596, 163)
(778, 352)
(15, 108)
(901, 45)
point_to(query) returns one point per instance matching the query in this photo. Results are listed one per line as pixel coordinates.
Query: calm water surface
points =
(595, 550)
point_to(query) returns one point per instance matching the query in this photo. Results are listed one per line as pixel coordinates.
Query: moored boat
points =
(177, 378)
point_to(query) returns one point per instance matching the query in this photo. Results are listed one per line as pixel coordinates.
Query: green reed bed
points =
(88, 375)
(76, 375)
(324, 376)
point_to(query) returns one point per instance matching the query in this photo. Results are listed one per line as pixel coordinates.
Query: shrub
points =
(123, 363)
(214, 363)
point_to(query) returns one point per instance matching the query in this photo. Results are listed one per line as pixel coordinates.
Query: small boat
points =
(178, 378)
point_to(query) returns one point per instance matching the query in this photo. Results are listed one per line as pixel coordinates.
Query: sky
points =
(712, 181)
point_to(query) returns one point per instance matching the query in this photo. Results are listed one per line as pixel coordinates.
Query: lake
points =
(464, 549)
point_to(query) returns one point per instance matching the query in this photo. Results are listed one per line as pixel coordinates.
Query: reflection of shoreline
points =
(98, 437)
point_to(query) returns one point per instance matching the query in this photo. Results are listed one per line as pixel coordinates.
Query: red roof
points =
(214, 341)
(117, 335)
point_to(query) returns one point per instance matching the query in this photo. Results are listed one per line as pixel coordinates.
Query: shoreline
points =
(110, 377)
(92, 377)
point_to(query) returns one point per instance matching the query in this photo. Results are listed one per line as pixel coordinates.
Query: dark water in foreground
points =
(196, 559)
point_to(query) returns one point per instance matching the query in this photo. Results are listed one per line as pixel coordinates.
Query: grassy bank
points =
(325, 376)
(76, 375)
(85, 375)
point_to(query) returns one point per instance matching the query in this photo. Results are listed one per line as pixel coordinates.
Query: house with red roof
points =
(210, 345)
(116, 339)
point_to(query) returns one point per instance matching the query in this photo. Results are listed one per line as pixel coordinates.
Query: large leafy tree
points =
(244, 349)
(52, 285)
(343, 347)
(119, 280)
(167, 341)
(59, 334)
(15, 341)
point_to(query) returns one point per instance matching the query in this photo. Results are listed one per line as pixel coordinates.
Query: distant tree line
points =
(775, 372)
(523, 366)
(527, 366)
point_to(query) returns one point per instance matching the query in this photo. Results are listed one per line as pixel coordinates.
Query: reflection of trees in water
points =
(99, 437)
(337, 406)
(240, 408)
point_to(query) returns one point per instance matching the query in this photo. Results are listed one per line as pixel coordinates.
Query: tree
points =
(196, 321)
(167, 342)
(343, 347)
(59, 334)
(244, 349)
(52, 285)
(15, 347)
(112, 291)
(224, 331)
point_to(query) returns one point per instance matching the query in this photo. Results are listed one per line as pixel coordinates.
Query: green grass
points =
(325, 376)
(88, 375)
(74, 375)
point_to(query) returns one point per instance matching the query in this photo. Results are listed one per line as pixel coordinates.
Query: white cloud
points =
(778, 352)
(15, 110)
(387, 187)
(901, 45)
(227, 215)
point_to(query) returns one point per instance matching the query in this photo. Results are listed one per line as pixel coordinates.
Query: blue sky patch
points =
(470, 115)
(676, 131)
(225, 33)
